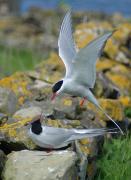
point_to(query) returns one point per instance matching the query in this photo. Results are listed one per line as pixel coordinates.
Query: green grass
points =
(16, 59)
(115, 161)
(127, 112)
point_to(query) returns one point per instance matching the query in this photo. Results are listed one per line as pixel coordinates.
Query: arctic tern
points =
(80, 65)
(54, 138)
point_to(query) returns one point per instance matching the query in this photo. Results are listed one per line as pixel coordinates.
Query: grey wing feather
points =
(84, 70)
(67, 49)
(87, 133)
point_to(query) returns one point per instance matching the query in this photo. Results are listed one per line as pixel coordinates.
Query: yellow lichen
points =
(21, 100)
(67, 102)
(111, 48)
(11, 129)
(114, 109)
(20, 122)
(86, 32)
(125, 100)
(84, 141)
(18, 83)
(52, 69)
(120, 80)
(121, 69)
(85, 150)
(105, 64)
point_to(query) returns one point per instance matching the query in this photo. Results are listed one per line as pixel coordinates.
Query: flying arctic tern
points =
(80, 65)
(54, 138)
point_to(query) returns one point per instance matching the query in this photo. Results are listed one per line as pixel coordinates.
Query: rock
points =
(126, 101)
(51, 69)
(30, 112)
(2, 161)
(14, 131)
(104, 88)
(113, 108)
(18, 83)
(121, 80)
(121, 57)
(3, 118)
(8, 101)
(36, 165)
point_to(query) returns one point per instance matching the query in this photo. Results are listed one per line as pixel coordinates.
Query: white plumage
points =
(53, 138)
(80, 66)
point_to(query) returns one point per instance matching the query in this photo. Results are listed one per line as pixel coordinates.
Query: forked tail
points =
(110, 118)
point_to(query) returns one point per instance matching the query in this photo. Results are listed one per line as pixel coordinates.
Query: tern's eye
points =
(57, 86)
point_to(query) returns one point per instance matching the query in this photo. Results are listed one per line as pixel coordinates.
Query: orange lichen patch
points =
(12, 132)
(127, 26)
(52, 63)
(52, 69)
(120, 80)
(105, 64)
(121, 69)
(95, 26)
(54, 123)
(21, 122)
(85, 141)
(126, 101)
(86, 32)
(11, 129)
(83, 39)
(111, 48)
(67, 102)
(121, 34)
(85, 149)
(53, 76)
(113, 108)
(18, 83)
(85, 26)
(21, 100)
(62, 124)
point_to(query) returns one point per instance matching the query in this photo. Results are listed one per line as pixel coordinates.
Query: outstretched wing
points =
(84, 68)
(67, 50)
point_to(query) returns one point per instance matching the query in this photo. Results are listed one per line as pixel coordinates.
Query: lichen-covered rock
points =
(104, 88)
(3, 118)
(113, 108)
(52, 69)
(30, 112)
(125, 100)
(34, 165)
(85, 32)
(15, 130)
(8, 101)
(105, 64)
(122, 81)
(18, 83)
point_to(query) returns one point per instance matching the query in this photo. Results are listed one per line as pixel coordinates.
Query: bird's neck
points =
(36, 127)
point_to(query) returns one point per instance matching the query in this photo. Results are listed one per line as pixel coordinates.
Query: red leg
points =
(82, 101)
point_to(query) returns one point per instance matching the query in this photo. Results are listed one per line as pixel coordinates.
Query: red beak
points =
(53, 96)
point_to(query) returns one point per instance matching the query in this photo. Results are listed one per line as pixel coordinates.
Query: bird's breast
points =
(73, 88)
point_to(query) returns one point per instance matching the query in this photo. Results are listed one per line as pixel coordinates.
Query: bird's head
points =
(56, 89)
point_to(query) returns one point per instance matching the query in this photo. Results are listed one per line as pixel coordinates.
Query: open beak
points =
(53, 96)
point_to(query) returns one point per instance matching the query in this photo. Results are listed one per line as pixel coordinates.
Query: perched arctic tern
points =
(80, 65)
(54, 138)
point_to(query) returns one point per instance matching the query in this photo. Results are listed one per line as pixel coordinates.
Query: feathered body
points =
(80, 65)
(53, 138)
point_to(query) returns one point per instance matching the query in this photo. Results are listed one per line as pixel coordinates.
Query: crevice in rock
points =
(8, 147)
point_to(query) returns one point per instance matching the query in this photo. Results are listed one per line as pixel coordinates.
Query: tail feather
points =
(87, 133)
(110, 119)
